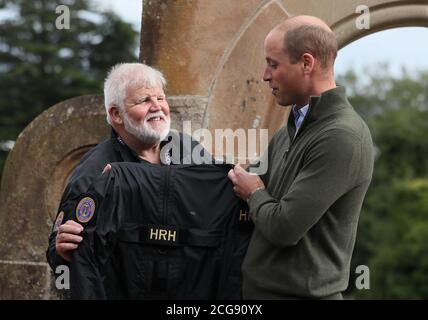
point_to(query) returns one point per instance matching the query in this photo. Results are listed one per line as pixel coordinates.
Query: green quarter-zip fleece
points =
(306, 219)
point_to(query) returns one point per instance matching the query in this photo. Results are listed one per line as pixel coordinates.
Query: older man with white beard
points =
(140, 119)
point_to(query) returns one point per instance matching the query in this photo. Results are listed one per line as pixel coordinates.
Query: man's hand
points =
(244, 183)
(68, 239)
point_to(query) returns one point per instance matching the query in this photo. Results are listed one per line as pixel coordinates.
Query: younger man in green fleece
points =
(306, 207)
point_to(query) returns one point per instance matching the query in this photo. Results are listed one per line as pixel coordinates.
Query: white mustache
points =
(159, 114)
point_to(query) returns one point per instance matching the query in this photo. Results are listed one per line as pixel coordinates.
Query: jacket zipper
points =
(166, 195)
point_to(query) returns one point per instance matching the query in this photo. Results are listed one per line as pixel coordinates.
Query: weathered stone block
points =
(20, 280)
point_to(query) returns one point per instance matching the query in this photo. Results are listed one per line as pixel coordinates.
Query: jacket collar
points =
(320, 107)
(328, 103)
(125, 153)
(167, 156)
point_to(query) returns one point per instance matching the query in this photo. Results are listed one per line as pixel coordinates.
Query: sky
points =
(129, 10)
(398, 47)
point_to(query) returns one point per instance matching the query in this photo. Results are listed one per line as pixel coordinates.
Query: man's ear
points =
(115, 116)
(308, 62)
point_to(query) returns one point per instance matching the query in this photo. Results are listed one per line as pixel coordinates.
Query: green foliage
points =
(41, 65)
(393, 231)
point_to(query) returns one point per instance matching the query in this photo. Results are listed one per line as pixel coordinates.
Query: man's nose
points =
(266, 75)
(155, 105)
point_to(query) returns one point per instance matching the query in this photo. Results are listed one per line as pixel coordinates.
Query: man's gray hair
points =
(125, 75)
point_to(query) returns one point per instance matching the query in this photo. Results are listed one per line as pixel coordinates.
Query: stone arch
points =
(253, 104)
(34, 178)
(383, 16)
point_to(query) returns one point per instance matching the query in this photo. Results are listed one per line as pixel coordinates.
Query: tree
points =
(41, 65)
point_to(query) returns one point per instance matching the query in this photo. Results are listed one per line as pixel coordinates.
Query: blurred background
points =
(386, 75)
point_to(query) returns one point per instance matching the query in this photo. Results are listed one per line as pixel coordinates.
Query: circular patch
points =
(85, 209)
(58, 220)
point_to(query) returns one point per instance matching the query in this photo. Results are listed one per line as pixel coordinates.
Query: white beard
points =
(144, 132)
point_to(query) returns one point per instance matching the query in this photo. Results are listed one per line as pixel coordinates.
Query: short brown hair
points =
(317, 41)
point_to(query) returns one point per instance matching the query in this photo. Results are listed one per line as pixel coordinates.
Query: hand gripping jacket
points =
(160, 232)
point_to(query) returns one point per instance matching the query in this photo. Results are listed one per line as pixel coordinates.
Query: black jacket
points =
(93, 162)
(159, 232)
